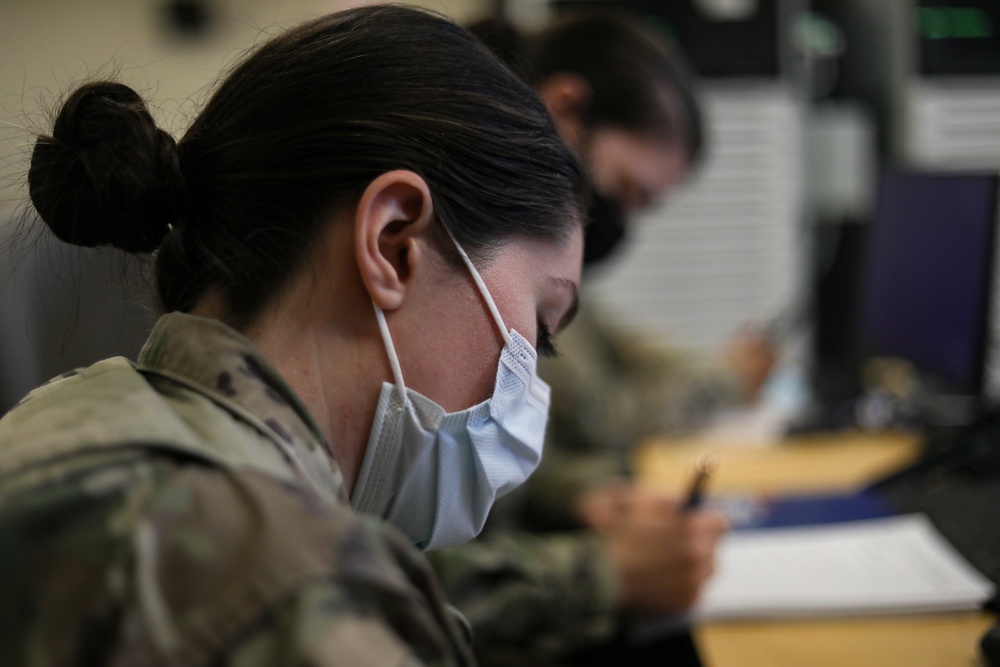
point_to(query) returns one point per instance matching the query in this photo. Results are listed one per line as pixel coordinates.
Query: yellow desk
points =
(814, 464)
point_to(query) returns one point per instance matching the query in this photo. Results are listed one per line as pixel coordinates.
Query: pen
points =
(703, 468)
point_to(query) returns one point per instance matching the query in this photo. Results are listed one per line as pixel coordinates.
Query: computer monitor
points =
(958, 38)
(927, 289)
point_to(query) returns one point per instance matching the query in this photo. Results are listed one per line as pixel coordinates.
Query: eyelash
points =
(546, 342)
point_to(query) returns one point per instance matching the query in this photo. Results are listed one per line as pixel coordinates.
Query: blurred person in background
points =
(579, 549)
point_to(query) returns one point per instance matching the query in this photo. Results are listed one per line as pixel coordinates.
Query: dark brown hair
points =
(296, 130)
(638, 79)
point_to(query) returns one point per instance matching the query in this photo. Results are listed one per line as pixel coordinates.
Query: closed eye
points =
(546, 344)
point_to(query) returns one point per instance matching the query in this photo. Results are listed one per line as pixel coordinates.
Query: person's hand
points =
(601, 506)
(751, 355)
(663, 556)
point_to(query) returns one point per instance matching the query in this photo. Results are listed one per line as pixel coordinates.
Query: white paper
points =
(879, 566)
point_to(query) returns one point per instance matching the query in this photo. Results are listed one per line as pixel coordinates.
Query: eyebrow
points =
(566, 283)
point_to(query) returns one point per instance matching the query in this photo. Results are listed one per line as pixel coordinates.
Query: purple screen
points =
(928, 273)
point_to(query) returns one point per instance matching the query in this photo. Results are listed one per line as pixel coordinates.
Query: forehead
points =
(558, 258)
(546, 263)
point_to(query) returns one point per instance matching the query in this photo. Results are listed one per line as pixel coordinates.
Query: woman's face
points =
(451, 355)
(632, 169)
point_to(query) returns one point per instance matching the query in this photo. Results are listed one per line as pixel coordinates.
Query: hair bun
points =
(107, 175)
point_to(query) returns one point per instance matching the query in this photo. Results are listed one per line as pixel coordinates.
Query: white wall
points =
(48, 46)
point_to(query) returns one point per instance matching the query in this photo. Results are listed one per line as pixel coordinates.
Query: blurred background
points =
(807, 105)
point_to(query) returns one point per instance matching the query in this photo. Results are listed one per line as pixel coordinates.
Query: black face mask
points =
(606, 230)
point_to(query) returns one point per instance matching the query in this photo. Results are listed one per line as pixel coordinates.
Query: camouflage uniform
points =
(535, 590)
(186, 511)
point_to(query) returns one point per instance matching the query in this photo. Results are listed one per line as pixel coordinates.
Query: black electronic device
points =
(989, 646)
(958, 37)
(927, 287)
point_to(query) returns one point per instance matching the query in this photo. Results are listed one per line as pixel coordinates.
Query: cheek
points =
(529, 329)
(516, 300)
(448, 347)
(613, 155)
(620, 176)
(607, 168)
(519, 314)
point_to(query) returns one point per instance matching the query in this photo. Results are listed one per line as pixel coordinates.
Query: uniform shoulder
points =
(185, 562)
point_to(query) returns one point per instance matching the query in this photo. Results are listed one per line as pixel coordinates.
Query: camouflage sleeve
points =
(531, 597)
(181, 563)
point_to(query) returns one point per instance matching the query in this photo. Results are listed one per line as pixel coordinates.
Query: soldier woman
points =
(359, 244)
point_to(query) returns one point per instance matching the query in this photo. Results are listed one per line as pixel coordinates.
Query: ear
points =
(393, 219)
(566, 96)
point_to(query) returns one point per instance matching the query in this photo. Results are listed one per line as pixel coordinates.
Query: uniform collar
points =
(216, 361)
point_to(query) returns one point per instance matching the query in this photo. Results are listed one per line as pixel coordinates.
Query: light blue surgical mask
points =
(434, 474)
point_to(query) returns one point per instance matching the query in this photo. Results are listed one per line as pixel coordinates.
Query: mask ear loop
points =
(397, 371)
(390, 349)
(482, 290)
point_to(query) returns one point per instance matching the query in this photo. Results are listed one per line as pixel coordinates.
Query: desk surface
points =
(814, 464)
